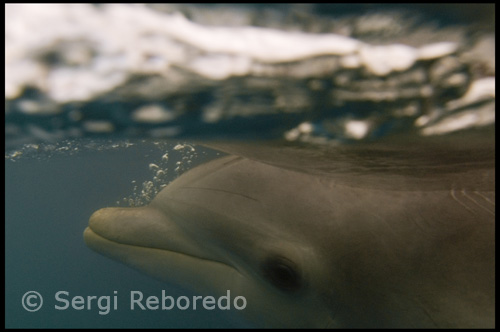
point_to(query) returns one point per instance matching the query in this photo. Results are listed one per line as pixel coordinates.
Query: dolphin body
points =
(368, 241)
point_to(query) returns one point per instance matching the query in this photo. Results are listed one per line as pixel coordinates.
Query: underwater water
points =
(49, 201)
(92, 124)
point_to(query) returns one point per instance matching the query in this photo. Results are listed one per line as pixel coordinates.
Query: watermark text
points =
(32, 301)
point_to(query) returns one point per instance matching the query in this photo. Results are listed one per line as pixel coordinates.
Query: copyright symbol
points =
(32, 301)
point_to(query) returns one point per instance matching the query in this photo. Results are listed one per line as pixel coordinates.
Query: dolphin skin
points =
(373, 247)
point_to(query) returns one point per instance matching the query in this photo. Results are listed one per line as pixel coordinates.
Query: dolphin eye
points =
(282, 273)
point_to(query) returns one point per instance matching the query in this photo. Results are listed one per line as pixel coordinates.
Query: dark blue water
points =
(48, 204)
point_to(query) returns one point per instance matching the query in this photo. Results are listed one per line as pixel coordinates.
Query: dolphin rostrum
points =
(307, 249)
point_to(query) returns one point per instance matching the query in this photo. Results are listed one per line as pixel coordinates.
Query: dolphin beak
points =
(144, 239)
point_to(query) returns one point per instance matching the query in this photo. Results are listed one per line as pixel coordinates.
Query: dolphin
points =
(381, 239)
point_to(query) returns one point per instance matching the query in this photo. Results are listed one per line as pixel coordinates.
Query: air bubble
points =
(178, 158)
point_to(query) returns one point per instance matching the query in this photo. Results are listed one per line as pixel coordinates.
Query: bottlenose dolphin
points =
(393, 246)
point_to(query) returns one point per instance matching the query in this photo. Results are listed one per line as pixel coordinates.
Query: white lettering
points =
(80, 302)
(152, 302)
(165, 297)
(137, 301)
(107, 303)
(58, 298)
(227, 306)
(179, 300)
(103, 309)
(212, 303)
(194, 301)
(244, 302)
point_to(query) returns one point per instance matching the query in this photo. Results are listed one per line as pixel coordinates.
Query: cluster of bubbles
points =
(46, 150)
(177, 160)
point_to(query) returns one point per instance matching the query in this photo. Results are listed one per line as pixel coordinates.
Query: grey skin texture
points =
(380, 236)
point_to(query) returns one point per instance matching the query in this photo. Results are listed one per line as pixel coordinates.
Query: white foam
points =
(220, 67)
(481, 89)
(436, 50)
(356, 129)
(306, 127)
(263, 44)
(152, 114)
(463, 120)
(381, 60)
(350, 61)
(116, 41)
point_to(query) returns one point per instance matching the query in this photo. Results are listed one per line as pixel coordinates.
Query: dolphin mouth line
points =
(167, 251)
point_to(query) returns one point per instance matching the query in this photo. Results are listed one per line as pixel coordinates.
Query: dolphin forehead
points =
(252, 197)
(238, 206)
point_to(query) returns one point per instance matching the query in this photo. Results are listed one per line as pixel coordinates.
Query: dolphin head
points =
(214, 230)
(314, 251)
